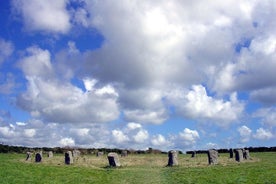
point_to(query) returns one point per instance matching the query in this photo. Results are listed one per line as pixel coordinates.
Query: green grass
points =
(142, 169)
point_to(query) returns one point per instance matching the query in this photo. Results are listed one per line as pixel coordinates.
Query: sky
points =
(138, 74)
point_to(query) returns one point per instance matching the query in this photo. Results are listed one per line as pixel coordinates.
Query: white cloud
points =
(57, 100)
(6, 49)
(189, 137)
(263, 134)
(133, 126)
(141, 136)
(49, 16)
(267, 115)
(196, 104)
(67, 141)
(30, 132)
(160, 141)
(119, 136)
(245, 133)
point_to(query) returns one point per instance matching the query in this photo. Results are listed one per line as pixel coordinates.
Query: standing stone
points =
(113, 159)
(38, 157)
(124, 153)
(231, 153)
(99, 153)
(172, 158)
(68, 158)
(29, 156)
(50, 154)
(246, 155)
(76, 153)
(238, 155)
(193, 154)
(212, 156)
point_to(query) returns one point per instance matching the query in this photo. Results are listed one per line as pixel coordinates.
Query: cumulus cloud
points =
(6, 49)
(196, 104)
(263, 134)
(245, 133)
(267, 116)
(56, 100)
(188, 137)
(49, 16)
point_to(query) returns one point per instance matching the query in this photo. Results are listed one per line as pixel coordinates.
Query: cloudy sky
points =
(135, 74)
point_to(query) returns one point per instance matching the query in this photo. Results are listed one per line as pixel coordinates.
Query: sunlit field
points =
(143, 168)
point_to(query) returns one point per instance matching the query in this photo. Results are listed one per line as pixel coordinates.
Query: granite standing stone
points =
(69, 158)
(172, 158)
(38, 157)
(193, 154)
(113, 159)
(100, 153)
(124, 153)
(76, 153)
(50, 154)
(29, 156)
(238, 155)
(231, 152)
(246, 155)
(212, 156)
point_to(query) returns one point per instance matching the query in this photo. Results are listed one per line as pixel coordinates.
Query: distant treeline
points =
(251, 149)
(22, 149)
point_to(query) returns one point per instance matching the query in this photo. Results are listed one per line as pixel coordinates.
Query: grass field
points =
(142, 169)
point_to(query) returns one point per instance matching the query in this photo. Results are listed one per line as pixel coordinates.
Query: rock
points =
(38, 157)
(124, 153)
(238, 155)
(246, 155)
(99, 153)
(113, 159)
(50, 154)
(231, 152)
(29, 156)
(193, 154)
(172, 158)
(69, 158)
(212, 156)
(76, 153)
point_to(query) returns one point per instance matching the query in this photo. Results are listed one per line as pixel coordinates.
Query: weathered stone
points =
(113, 159)
(68, 158)
(76, 153)
(238, 155)
(193, 154)
(212, 156)
(231, 152)
(124, 153)
(172, 158)
(99, 153)
(50, 154)
(38, 157)
(246, 155)
(29, 156)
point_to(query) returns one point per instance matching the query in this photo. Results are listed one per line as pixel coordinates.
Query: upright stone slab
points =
(238, 155)
(231, 152)
(193, 154)
(68, 158)
(113, 159)
(172, 158)
(212, 156)
(100, 153)
(246, 155)
(50, 154)
(76, 153)
(124, 153)
(38, 157)
(28, 156)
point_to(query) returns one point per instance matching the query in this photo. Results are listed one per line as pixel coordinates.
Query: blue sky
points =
(137, 74)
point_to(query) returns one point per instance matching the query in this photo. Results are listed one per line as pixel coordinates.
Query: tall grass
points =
(138, 169)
